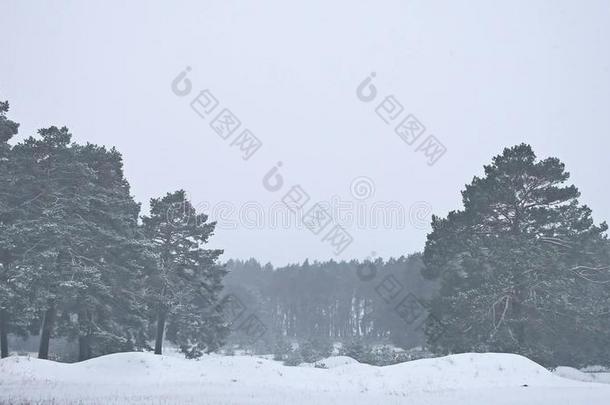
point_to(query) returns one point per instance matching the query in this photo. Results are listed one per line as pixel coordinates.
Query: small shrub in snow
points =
(281, 350)
(294, 358)
(308, 352)
(357, 350)
(382, 356)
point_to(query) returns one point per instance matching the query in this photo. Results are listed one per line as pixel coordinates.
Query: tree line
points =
(333, 301)
(77, 261)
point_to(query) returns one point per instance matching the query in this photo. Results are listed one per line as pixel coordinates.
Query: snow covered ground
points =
(142, 378)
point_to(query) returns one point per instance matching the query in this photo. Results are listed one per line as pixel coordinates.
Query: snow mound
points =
(475, 369)
(331, 362)
(336, 361)
(139, 378)
(577, 375)
(573, 374)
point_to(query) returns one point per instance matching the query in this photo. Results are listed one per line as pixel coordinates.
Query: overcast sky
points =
(479, 75)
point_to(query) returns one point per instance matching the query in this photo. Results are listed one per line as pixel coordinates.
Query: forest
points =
(522, 267)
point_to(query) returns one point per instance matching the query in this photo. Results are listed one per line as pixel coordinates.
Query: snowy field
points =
(142, 378)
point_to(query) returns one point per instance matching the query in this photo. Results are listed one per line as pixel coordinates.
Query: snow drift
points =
(134, 378)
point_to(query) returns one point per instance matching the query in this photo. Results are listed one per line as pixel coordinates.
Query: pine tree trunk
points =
(519, 317)
(520, 294)
(47, 327)
(84, 337)
(3, 334)
(4, 323)
(161, 316)
(84, 347)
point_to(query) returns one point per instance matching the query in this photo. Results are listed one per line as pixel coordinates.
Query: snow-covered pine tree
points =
(187, 280)
(80, 227)
(110, 305)
(51, 185)
(10, 280)
(513, 263)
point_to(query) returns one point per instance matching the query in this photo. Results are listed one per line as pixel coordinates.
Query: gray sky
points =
(479, 75)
